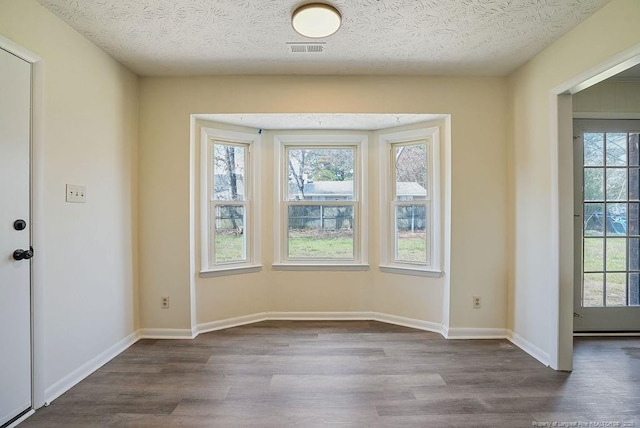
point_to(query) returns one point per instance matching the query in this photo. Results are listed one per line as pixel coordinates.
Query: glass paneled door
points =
(607, 212)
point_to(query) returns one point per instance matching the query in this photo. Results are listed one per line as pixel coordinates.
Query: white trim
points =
(561, 297)
(167, 333)
(318, 267)
(446, 217)
(606, 334)
(193, 204)
(476, 333)
(529, 347)
(231, 322)
(610, 67)
(21, 419)
(37, 233)
(230, 270)
(405, 270)
(408, 322)
(360, 203)
(320, 316)
(17, 50)
(251, 201)
(430, 133)
(73, 378)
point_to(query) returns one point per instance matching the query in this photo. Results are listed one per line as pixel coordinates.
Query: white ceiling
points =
(419, 37)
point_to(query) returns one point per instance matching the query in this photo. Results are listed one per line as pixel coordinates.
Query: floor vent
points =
(306, 47)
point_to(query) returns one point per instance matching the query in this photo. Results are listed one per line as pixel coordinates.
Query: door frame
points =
(562, 196)
(37, 228)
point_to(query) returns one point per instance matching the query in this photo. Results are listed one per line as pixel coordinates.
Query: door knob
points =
(23, 254)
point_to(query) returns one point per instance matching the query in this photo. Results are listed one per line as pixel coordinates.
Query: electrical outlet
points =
(76, 193)
(476, 302)
(164, 302)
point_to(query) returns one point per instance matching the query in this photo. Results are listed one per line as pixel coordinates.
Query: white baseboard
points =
(319, 316)
(69, 381)
(408, 322)
(231, 322)
(605, 334)
(166, 333)
(476, 333)
(529, 348)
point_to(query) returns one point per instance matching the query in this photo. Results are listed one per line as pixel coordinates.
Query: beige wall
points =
(479, 199)
(533, 284)
(88, 252)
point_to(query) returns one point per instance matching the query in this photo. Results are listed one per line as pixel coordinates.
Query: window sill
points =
(405, 270)
(319, 267)
(231, 270)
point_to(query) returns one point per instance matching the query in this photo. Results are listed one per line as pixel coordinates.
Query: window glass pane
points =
(593, 149)
(633, 149)
(593, 254)
(634, 219)
(634, 184)
(616, 184)
(616, 289)
(229, 241)
(634, 254)
(592, 289)
(317, 231)
(594, 219)
(616, 149)
(318, 174)
(616, 219)
(634, 289)
(228, 172)
(616, 254)
(411, 171)
(593, 184)
(411, 233)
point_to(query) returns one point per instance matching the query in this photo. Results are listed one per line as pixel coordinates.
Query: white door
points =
(607, 212)
(15, 275)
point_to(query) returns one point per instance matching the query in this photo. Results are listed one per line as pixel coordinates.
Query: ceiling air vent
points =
(306, 47)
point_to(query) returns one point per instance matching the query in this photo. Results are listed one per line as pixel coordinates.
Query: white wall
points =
(88, 255)
(534, 276)
(479, 200)
(609, 97)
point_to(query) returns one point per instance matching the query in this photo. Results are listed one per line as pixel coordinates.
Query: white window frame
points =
(251, 231)
(431, 137)
(284, 142)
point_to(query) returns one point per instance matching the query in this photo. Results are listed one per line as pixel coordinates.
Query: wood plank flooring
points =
(349, 374)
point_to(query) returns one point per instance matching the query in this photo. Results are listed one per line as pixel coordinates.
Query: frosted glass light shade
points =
(316, 20)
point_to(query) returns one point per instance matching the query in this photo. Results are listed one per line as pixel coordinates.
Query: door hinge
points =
(577, 315)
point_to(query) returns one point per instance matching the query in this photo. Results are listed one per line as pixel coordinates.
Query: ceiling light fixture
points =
(316, 20)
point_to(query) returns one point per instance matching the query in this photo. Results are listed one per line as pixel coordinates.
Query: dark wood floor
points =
(349, 374)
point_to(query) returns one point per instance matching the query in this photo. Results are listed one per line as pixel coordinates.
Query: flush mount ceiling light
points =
(316, 20)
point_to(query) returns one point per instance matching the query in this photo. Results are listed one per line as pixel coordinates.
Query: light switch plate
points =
(76, 193)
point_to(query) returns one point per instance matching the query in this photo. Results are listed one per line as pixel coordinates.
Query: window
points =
(320, 201)
(228, 207)
(410, 206)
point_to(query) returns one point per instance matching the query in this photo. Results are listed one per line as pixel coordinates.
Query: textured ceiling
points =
(421, 37)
